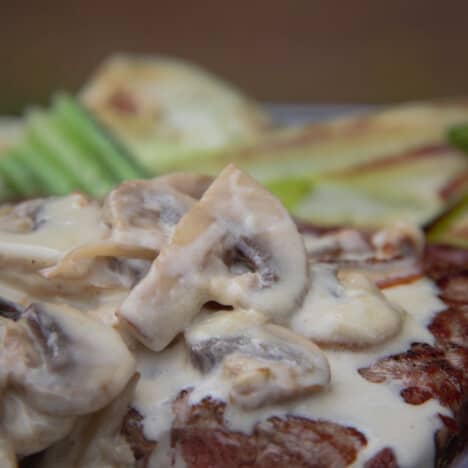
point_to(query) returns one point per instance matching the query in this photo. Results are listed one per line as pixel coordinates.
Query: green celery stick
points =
(45, 168)
(20, 175)
(7, 186)
(458, 136)
(43, 137)
(443, 229)
(112, 157)
(83, 169)
(95, 171)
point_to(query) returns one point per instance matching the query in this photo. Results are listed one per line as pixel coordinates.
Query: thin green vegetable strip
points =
(19, 175)
(94, 171)
(440, 229)
(116, 161)
(67, 155)
(45, 169)
(7, 184)
(43, 139)
(458, 136)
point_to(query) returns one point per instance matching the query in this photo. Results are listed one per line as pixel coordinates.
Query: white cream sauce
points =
(65, 223)
(377, 410)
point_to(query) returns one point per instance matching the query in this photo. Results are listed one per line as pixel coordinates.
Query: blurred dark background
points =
(292, 51)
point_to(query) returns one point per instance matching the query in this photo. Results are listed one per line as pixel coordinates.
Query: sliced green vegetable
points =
(111, 156)
(458, 136)
(290, 191)
(452, 226)
(45, 168)
(339, 203)
(7, 185)
(62, 150)
(166, 110)
(76, 163)
(159, 157)
(324, 147)
(407, 189)
(44, 141)
(92, 171)
(19, 175)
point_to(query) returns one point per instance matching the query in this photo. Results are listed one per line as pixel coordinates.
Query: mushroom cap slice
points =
(96, 440)
(52, 227)
(28, 430)
(164, 302)
(143, 213)
(344, 244)
(237, 246)
(65, 362)
(391, 256)
(193, 185)
(264, 363)
(387, 272)
(400, 239)
(263, 253)
(346, 309)
(22, 217)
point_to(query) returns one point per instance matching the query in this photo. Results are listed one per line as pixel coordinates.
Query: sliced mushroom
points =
(385, 273)
(81, 293)
(237, 246)
(26, 257)
(78, 263)
(390, 256)
(56, 225)
(117, 272)
(65, 362)
(264, 363)
(10, 310)
(401, 239)
(346, 309)
(193, 185)
(28, 430)
(340, 245)
(143, 213)
(23, 217)
(214, 336)
(96, 440)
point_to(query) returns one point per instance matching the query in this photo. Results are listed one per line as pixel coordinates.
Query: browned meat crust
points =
(438, 371)
(132, 429)
(205, 441)
(442, 261)
(450, 327)
(383, 459)
(425, 371)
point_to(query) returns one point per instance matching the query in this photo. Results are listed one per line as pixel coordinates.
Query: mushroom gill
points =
(263, 363)
(237, 246)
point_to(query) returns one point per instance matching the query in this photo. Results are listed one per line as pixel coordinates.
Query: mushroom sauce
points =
(184, 283)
